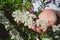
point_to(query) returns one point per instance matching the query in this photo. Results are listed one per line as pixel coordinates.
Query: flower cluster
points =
(56, 27)
(46, 38)
(25, 17)
(14, 34)
(9, 27)
(42, 22)
(37, 4)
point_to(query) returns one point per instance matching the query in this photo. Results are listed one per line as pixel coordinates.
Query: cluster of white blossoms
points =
(14, 34)
(25, 17)
(56, 27)
(42, 22)
(46, 38)
(9, 27)
(56, 36)
(37, 4)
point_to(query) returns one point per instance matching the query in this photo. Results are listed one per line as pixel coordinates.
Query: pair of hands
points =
(50, 15)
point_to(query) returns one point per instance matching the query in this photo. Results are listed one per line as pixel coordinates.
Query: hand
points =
(50, 16)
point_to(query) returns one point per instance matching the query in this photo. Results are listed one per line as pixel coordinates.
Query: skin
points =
(50, 15)
(58, 13)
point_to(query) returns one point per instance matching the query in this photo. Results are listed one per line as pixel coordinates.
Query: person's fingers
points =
(37, 29)
(40, 30)
(32, 27)
(50, 23)
(43, 30)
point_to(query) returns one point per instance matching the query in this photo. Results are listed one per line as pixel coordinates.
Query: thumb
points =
(50, 23)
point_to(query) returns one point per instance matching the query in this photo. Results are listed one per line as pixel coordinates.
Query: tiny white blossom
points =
(14, 34)
(12, 37)
(37, 22)
(56, 28)
(37, 5)
(46, 39)
(29, 22)
(32, 15)
(56, 36)
(42, 22)
(37, 38)
(16, 15)
(7, 27)
(25, 17)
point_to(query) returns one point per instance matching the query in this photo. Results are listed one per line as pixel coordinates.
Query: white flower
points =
(16, 15)
(37, 22)
(46, 39)
(29, 35)
(29, 22)
(14, 34)
(12, 37)
(25, 17)
(37, 38)
(56, 36)
(56, 28)
(42, 22)
(7, 27)
(32, 15)
(37, 5)
(17, 37)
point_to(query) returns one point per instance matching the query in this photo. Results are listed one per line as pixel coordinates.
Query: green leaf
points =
(9, 1)
(27, 5)
(44, 35)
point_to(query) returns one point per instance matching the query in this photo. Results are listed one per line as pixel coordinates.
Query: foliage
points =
(11, 5)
